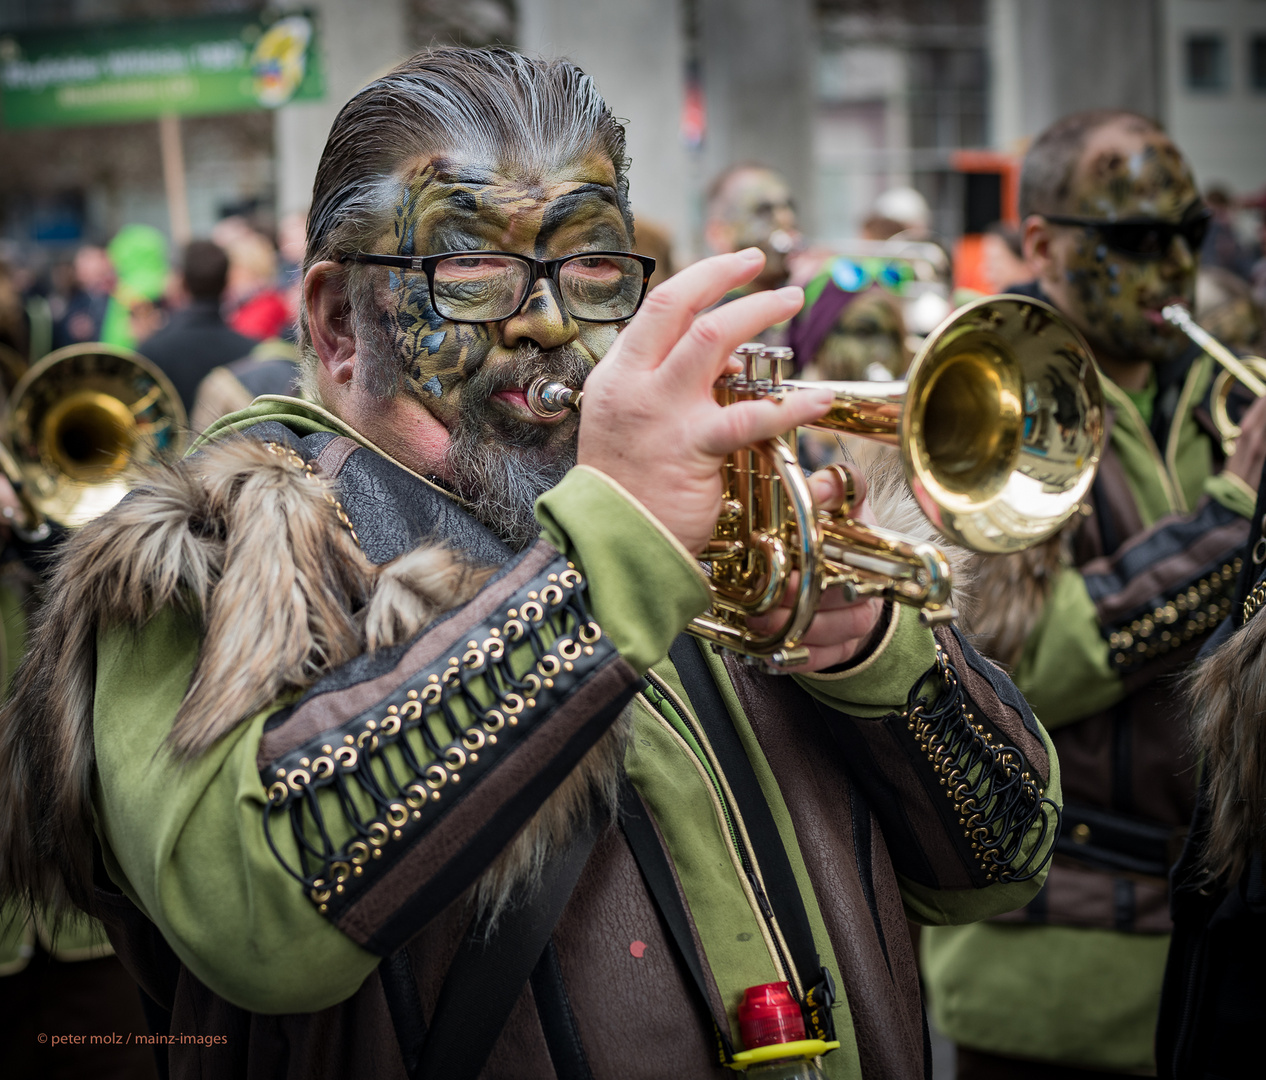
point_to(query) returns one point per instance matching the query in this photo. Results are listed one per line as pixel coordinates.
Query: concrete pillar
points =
(358, 42)
(759, 59)
(636, 55)
(1053, 57)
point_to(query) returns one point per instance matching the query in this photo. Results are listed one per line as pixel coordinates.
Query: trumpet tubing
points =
(1250, 371)
(1000, 428)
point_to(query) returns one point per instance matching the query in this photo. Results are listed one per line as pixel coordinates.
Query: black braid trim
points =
(388, 811)
(996, 798)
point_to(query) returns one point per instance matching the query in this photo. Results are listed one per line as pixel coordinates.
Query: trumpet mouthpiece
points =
(550, 399)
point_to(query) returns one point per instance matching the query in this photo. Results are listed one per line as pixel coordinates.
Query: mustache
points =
(529, 362)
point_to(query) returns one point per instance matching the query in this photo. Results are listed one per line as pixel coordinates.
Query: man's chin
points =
(506, 424)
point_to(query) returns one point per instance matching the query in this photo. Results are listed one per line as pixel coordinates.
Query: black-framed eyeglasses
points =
(1145, 238)
(488, 286)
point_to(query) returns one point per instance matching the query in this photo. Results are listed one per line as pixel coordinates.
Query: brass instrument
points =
(1250, 371)
(1000, 428)
(76, 424)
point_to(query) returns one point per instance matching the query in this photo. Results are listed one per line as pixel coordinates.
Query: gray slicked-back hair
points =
(525, 115)
(1047, 175)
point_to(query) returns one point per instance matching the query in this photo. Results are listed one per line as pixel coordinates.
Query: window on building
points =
(1257, 62)
(1206, 62)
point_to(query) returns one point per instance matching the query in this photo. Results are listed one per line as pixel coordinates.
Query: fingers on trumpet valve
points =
(838, 488)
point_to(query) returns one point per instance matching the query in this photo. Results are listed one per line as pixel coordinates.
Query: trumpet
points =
(1250, 371)
(1000, 428)
(76, 424)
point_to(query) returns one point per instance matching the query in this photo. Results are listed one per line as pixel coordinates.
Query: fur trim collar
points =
(202, 534)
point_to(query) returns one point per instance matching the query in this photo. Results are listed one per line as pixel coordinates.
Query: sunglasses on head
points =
(856, 275)
(1145, 238)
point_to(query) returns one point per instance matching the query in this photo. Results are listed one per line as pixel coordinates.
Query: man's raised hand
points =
(649, 419)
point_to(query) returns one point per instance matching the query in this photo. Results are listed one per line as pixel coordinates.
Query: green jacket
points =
(1076, 976)
(857, 791)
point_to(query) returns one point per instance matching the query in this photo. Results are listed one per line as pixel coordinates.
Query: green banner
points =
(141, 70)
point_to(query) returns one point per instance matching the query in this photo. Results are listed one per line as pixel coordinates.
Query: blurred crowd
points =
(218, 317)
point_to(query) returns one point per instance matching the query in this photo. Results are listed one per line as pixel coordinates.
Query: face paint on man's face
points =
(457, 206)
(471, 377)
(1117, 298)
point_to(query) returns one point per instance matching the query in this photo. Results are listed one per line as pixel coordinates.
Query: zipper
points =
(658, 695)
(665, 701)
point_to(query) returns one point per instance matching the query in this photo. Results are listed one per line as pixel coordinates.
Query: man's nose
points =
(542, 319)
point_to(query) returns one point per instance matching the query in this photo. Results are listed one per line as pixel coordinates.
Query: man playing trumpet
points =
(377, 720)
(1096, 625)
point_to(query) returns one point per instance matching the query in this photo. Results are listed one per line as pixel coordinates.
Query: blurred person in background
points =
(1226, 308)
(1004, 263)
(196, 339)
(1096, 624)
(657, 242)
(257, 307)
(14, 331)
(85, 309)
(846, 336)
(135, 310)
(1222, 246)
(899, 212)
(749, 205)
(271, 367)
(292, 241)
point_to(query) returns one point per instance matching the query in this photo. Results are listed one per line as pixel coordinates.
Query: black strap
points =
(639, 830)
(400, 988)
(485, 978)
(558, 1020)
(1125, 844)
(783, 897)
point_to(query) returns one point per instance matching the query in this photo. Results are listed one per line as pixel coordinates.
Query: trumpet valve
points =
(776, 356)
(749, 352)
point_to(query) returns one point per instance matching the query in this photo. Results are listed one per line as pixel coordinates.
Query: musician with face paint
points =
(750, 206)
(371, 730)
(1097, 625)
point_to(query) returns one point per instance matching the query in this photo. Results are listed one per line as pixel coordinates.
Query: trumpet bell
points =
(80, 420)
(1002, 424)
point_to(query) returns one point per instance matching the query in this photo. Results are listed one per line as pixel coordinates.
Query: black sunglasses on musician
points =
(489, 286)
(1145, 238)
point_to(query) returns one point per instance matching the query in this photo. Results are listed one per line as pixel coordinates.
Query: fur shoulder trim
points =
(896, 508)
(247, 539)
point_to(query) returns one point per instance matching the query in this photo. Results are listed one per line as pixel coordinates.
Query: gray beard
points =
(500, 464)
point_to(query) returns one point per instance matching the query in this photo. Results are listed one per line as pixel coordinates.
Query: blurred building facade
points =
(846, 97)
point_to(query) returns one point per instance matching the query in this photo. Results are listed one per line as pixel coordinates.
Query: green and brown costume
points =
(257, 886)
(1097, 631)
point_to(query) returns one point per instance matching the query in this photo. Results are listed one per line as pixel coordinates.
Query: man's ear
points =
(1037, 238)
(330, 319)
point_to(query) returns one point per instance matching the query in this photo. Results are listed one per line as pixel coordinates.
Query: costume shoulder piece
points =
(199, 535)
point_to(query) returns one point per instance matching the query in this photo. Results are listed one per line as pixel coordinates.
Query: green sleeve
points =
(644, 587)
(185, 840)
(1231, 492)
(1065, 670)
(879, 684)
